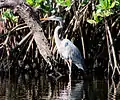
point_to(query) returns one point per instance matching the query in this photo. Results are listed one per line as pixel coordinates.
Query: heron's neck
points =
(57, 39)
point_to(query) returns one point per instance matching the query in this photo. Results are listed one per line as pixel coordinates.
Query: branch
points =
(112, 48)
(10, 3)
(24, 38)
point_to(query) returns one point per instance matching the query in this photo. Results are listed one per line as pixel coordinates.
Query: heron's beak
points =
(43, 18)
(49, 18)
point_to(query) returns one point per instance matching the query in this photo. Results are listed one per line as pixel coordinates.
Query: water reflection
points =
(26, 87)
(114, 90)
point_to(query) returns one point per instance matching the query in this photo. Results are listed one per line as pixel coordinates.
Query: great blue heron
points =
(66, 48)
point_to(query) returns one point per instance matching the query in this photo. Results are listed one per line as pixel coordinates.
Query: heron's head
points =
(59, 19)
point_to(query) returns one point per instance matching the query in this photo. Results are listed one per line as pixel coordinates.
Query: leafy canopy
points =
(104, 9)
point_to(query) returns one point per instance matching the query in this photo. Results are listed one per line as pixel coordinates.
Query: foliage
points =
(34, 3)
(8, 14)
(64, 2)
(103, 9)
(45, 5)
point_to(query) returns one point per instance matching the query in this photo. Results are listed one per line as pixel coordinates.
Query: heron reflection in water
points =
(66, 48)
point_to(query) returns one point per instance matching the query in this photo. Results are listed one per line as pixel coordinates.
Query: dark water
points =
(26, 87)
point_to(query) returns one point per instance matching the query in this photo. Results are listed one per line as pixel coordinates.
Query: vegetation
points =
(92, 25)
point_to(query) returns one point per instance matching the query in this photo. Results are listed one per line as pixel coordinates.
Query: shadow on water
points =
(27, 87)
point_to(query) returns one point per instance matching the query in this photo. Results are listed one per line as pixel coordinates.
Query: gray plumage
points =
(68, 50)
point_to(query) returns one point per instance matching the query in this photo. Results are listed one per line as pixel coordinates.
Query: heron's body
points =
(68, 50)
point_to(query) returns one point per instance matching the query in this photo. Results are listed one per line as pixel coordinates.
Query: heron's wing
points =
(64, 49)
(69, 50)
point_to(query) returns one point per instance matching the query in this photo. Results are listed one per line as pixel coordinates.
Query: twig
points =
(76, 16)
(24, 38)
(28, 48)
(9, 33)
(24, 27)
(14, 28)
(116, 21)
(113, 50)
(109, 54)
(83, 46)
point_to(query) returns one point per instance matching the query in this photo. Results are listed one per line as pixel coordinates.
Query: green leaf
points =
(15, 19)
(117, 2)
(106, 4)
(101, 2)
(91, 21)
(39, 1)
(107, 13)
(8, 14)
(109, 3)
(30, 2)
(99, 11)
(100, 14)
(36, 5)
(95, 16)
(112, 5)
(98, 6)
(64, 2)
(68, 3)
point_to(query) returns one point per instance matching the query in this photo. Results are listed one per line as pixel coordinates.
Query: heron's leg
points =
(70, 66)
(69, 83)
(69, 62)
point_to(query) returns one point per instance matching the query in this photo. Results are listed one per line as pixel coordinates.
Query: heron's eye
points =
(66, 44)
